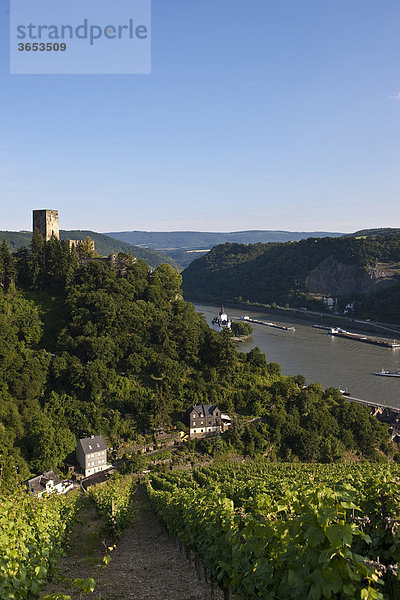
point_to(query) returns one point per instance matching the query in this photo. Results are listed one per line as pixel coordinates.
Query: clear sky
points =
(258, 114)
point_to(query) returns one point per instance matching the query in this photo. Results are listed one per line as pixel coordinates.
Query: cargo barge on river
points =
(337, 332)
(274, 325)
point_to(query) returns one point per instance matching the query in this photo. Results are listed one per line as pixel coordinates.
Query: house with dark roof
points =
(206, 419)
(48, 483)
(91, 454)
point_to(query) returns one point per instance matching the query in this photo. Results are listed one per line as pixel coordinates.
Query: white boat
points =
(384, 373)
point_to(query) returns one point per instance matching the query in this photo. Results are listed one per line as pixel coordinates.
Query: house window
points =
(201, 422)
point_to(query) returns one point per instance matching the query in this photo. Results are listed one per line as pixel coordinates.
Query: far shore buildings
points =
(207, 419)
(91, 454)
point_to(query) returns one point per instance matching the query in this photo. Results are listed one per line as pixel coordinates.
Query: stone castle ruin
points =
(46, 222)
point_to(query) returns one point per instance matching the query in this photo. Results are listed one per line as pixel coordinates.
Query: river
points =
(320, 357)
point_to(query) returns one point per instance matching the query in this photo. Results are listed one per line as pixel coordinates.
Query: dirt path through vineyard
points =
(146, 565)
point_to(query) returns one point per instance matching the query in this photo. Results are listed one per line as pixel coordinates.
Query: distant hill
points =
(385, 231)
(186, 246)
(104, 245)
(294, 273)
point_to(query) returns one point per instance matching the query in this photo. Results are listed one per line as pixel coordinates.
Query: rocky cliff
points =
(335, 278)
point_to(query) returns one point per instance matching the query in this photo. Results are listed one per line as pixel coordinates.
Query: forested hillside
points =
(104, 244)
(82, 346)
(187, 246)
(279, 273)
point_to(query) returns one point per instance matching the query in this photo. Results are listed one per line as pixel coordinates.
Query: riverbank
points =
(320, 357)
(241, 338)
(387, 329)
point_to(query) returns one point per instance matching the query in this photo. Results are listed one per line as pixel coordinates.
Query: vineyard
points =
(32, 532)
(277, 531)
(288, 531)
(113, 502)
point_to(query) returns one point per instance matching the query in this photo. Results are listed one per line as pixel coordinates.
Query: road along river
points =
(337, 362)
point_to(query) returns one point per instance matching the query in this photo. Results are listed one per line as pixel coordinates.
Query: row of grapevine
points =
(32, 532)
(289, 531)
(113, 502)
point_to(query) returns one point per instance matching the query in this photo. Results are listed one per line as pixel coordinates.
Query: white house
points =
(48, 483)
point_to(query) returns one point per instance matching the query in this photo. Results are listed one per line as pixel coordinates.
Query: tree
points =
(8, 272)
(240, 328)
(36, 260)
(87, 249)
(256, 358)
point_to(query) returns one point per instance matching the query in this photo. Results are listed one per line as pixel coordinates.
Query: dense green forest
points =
(104, 244)
(82, 346)
(276, 273)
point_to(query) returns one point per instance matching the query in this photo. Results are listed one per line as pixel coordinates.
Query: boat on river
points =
(384, 373)
(338, 332)
(274, 325)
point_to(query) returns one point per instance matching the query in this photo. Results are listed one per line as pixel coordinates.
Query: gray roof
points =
(38, 484)
(93, 444)
(207, 410)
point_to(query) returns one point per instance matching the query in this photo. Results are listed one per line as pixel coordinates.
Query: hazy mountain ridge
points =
(196, 240)
(186, 246)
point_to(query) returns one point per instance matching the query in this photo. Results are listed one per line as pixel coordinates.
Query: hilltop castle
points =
(46, 222)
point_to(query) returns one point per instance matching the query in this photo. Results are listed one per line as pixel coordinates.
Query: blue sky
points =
(258, 114)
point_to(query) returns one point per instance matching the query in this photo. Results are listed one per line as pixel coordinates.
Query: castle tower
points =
(46, 222)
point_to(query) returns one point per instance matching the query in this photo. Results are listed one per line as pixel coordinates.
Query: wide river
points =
(320, 357)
